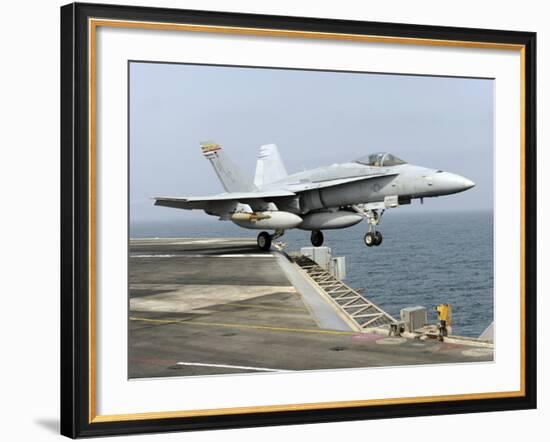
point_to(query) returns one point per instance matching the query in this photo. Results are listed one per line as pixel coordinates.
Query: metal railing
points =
(358, 309)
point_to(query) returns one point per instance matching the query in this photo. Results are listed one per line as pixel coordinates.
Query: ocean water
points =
(426, 258)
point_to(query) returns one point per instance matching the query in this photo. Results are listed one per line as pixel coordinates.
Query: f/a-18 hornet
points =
(325, 198)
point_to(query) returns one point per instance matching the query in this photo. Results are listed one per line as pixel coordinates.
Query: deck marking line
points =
(188, 255)
(477, 352)
(239, 367)
(391, 341)
(268, 307)
(257, 327)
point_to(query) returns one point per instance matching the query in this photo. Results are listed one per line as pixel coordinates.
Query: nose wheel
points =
(373, 239)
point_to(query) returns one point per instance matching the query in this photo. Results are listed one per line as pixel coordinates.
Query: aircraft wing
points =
(321, 184)
(209, 202)
(224, 201)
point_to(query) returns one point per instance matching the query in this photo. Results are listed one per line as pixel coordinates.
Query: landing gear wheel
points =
(264, 241)
(377, 238)
(369, 239)
(317, 238)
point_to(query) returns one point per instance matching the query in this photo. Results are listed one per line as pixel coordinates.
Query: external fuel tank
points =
(268, 220)
(330, 220)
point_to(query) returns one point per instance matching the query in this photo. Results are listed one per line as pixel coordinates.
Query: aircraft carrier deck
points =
(215, 306)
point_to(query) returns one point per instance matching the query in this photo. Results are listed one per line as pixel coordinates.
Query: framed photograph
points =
(273, 220)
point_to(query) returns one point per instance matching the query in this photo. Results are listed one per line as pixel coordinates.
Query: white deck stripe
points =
(187, 255)
(240, 367)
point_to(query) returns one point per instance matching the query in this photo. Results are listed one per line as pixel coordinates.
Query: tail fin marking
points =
(229, 174)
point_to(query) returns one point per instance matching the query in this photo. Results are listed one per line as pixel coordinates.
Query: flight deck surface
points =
(204, 306)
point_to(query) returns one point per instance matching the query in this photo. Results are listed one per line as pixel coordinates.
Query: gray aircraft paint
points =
(323, 198)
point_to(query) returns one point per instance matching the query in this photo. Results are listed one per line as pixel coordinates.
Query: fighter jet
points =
(325, 198)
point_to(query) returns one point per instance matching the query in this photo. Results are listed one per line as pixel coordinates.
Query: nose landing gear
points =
(373, 237)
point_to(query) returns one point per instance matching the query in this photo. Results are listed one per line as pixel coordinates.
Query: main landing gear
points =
(264, 239)
(317, 238)
(373, 237)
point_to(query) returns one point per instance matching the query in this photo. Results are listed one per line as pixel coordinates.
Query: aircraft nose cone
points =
(468, 184)
(447, 183)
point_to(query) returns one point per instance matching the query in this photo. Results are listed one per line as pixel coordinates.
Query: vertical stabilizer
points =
(270, 167)
(229, 174)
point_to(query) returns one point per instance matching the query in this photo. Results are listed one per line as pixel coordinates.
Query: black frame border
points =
(75, 220)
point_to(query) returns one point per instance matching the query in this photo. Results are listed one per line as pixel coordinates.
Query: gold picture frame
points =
(79, 26)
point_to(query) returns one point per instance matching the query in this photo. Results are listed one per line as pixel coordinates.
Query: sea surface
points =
(426, 258)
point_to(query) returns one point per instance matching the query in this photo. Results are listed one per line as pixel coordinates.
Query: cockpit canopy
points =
(380, 159)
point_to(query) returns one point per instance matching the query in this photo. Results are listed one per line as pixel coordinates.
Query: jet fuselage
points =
(406, 181)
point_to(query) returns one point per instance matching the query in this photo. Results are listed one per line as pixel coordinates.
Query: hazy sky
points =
(315, 118)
